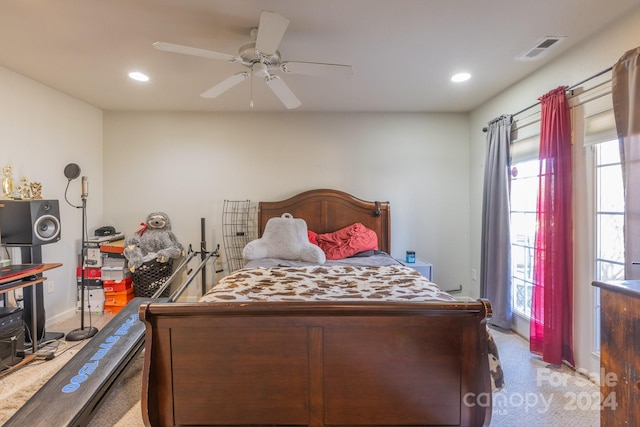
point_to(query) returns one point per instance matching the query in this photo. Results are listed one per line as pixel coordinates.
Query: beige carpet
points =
(536, 394)
(18, 386)
(526, 400)
(122, 407)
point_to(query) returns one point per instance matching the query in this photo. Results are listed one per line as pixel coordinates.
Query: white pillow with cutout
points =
(284, 238)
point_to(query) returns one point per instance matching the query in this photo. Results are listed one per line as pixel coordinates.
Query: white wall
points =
(188, 164)
(589, 58)
(41, 131)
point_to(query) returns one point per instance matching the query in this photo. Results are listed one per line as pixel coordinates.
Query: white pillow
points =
(284, 238)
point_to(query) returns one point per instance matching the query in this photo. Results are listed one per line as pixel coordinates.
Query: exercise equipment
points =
(76, 392)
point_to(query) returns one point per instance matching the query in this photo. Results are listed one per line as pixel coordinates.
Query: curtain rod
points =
(484, 129)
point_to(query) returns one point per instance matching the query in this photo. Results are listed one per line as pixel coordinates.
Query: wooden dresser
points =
(620, 352)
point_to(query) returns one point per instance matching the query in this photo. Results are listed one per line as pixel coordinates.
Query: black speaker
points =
(29, 222)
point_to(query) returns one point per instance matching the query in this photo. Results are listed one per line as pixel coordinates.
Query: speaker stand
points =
(31, 296)
(83, 333)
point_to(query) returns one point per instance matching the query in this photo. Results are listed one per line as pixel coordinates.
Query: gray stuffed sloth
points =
(154, 240)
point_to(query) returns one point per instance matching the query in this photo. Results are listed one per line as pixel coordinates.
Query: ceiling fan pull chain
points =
(251, 90)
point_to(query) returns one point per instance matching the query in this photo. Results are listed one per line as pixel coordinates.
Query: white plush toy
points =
(284, 238)
(154, 240)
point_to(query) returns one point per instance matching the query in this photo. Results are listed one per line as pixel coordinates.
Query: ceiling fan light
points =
(260, 70)
(138, 76)
(460, 77)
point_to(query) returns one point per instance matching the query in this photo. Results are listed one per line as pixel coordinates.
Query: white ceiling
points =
(403, 51)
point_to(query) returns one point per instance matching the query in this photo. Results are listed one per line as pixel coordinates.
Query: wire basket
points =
(238, 228)
(150, 277)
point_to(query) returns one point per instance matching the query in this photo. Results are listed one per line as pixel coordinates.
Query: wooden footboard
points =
(316, 364)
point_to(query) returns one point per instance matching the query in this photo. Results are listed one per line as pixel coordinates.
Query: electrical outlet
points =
(474, 274)
(50, 286)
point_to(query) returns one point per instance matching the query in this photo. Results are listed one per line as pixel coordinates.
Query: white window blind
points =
(599, 127)
(525, 136)
(597, 107)
(599, 123)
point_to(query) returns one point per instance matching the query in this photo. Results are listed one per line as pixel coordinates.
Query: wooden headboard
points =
(327, 210)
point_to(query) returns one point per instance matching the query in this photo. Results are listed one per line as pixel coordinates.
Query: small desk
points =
(23, 280)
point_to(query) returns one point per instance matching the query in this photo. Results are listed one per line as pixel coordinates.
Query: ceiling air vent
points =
(540, 48)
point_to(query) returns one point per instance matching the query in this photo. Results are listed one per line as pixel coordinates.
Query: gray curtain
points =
(495, 261)
(626, 108)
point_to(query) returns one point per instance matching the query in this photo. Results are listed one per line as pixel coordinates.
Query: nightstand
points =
(422, 267)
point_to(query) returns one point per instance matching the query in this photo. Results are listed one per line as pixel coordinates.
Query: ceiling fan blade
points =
(282, 91)
(186, 50)
(317, 69)
(225, 85)
(270, 32)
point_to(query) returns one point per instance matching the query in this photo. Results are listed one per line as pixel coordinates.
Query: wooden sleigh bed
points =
(320, 363)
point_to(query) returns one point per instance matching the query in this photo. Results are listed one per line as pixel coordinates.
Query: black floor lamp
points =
(72, 171)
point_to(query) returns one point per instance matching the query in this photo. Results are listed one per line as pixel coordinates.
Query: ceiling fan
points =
(262, 58)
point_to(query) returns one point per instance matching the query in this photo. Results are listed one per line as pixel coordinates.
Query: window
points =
(598, 211)
(524, 191)
(609, 221)
(609, 213)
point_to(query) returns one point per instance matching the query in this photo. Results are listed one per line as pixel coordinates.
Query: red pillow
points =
(348, 241)
(313, 237)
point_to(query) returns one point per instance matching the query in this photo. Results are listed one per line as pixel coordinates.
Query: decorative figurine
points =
(36, 190)
(24, 189)
(7, 181)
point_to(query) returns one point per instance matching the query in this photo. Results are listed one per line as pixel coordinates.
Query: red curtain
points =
(552, 299)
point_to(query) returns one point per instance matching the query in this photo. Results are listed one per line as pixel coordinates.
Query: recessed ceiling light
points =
(460, 77)
(136, 75)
